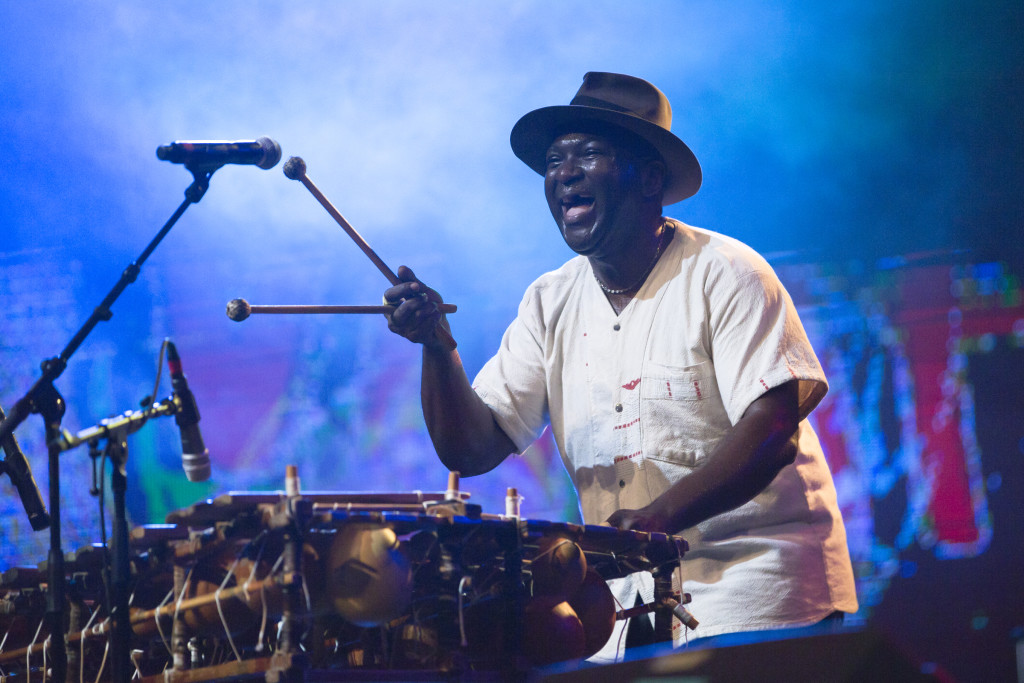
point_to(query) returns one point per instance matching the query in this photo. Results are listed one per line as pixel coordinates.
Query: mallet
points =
(295, 169)
(240, 309)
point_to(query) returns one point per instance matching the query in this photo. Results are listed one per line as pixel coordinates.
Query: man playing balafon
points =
(671, 365)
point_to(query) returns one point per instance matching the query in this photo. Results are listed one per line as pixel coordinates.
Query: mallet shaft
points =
(444, 308)
(347, 227)
(295, 169)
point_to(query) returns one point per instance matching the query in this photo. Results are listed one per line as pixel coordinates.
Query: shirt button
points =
(616, 327)
(618, 407)
(622, 483)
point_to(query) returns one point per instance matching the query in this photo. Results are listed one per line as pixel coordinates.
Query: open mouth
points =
(574, 206)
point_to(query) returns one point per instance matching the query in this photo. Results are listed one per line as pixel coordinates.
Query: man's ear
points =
(653, 177)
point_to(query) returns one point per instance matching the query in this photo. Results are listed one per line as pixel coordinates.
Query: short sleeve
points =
(758, 341)
(513, 382)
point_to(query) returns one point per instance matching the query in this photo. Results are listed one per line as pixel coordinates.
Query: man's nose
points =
(568, 170)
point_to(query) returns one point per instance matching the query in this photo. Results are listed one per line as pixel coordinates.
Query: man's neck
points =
(622, 277)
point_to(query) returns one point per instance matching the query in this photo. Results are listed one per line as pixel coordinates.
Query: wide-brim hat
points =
(623, 101)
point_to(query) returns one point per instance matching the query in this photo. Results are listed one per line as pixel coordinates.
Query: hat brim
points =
(534, 133)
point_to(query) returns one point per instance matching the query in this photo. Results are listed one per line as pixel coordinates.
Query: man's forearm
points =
(739, 468)
(742, 464)
(461, 426)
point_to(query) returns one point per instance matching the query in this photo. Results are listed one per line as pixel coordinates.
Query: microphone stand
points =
(115, 430)
(43, 398)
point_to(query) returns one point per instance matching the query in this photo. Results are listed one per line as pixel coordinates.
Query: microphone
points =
(264, 152)
(195, 458)
(18, 469)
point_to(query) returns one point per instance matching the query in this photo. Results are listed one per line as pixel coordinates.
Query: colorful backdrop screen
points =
(872, 152)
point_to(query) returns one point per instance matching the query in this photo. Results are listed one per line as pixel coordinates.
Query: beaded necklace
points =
(666, 232)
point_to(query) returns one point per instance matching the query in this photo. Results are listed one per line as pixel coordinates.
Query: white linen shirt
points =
(638, 400)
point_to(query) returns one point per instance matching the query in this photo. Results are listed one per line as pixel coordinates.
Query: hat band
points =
(588, 101)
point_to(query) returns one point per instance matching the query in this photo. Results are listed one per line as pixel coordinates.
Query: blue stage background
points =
(872, 151)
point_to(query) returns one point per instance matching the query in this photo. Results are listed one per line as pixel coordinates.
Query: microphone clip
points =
(200, 181)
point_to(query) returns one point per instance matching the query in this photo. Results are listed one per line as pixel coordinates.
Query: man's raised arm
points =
(461, 426)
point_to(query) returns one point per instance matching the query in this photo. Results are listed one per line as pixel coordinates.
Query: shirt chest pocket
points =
(681, 413)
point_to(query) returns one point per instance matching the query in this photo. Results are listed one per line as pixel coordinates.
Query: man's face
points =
(594, 192)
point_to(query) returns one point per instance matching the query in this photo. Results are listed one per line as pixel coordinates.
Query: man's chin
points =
(578, 234)
(581, 247)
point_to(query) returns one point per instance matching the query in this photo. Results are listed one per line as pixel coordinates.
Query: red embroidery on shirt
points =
(668, 385)
(630, 386)
(696, 387)
(791, 372)
(620, 458)
(628, 424)
(765, 385)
